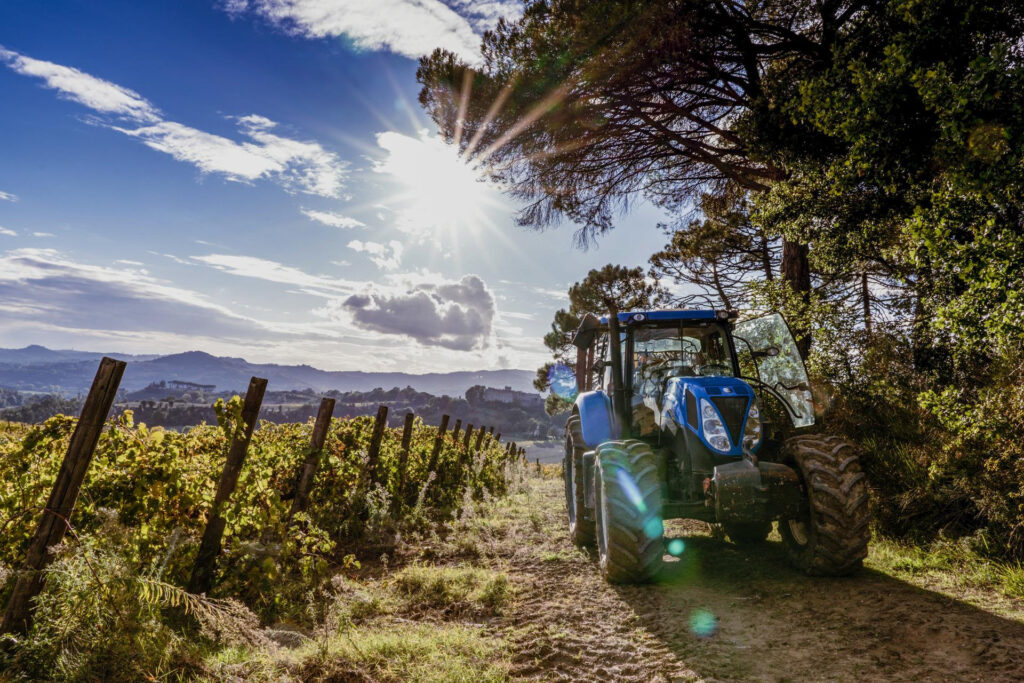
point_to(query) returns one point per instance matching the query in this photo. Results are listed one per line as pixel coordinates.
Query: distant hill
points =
(36, 368)
(40, 355)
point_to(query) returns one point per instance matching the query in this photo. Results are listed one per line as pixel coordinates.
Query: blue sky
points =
(254, 178)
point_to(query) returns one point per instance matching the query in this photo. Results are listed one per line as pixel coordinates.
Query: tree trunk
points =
(718, 286)
(865, 296)
(766, 258)
(796, 272)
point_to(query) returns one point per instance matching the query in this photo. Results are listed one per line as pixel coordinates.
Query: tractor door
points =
(770, 360)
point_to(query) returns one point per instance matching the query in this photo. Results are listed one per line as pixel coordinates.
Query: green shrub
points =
(96, 620)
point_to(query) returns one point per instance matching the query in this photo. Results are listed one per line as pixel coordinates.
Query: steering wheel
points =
(701, 367)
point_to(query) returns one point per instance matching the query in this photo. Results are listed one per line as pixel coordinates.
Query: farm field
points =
(477, 581)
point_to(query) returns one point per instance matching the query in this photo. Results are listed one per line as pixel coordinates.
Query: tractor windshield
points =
(770, 355)
(688, 350)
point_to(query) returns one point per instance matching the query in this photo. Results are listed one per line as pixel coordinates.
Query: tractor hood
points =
(729, 396)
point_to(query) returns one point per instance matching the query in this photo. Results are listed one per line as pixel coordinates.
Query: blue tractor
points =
(680, 415)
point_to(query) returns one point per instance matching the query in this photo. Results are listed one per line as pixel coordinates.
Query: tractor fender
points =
(596, 420)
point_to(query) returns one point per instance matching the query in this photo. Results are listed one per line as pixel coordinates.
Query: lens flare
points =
(703, 623)
(562, 381)
(632, 492)
(676, 547)
(654, 528)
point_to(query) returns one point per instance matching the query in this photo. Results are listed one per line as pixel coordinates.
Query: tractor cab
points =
(667, 356)
(684, 413)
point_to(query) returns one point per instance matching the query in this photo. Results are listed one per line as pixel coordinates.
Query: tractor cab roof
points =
(635, 317)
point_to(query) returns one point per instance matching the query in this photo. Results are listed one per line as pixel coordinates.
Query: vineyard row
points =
(56, 517)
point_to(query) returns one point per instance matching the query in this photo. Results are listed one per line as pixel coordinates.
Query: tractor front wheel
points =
(627, 490)
(831, 537)
(581, 529)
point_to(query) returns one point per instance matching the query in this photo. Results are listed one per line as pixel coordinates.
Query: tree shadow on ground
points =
(745, 614)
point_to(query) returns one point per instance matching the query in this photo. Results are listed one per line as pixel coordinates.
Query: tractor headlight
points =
(752, 430)
(714, 430)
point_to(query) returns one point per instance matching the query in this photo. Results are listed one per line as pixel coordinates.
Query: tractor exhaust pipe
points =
(619, 394)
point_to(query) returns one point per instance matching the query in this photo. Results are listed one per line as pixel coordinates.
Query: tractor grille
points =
(733, 410)
(691, 409)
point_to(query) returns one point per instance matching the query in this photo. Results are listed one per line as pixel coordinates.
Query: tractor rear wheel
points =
(748, 533)
(581, 529)
(627, 490)
(831, 538)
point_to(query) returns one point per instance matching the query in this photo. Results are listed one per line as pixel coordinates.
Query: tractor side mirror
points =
(770, 352)
(589, 327)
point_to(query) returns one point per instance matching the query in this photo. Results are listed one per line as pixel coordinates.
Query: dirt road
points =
(720, 613)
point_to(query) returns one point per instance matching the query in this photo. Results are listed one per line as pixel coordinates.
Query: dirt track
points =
(721, 613)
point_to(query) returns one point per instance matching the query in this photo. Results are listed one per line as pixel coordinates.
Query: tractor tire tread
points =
(631, 554)
(838, 502)
(581, 531)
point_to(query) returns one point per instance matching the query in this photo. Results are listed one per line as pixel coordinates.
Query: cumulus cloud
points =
(8, 233)
(78, 86)
(296, 165)
(335, 220)
(455, 315)
(8, 197)
(384, 256)
(408, 27)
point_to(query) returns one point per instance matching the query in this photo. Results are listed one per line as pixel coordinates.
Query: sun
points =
(440, 192)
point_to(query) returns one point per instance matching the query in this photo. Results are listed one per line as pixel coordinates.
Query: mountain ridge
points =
(37, 368)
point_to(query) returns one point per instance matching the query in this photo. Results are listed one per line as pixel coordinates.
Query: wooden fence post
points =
(469, 434)
(479, 439)
(56, 518)
(538, 465)
(455, 432)
(209, 548)
(438, 440)
(497, 439)
(379, 425)
(316, 446)
(403, 457)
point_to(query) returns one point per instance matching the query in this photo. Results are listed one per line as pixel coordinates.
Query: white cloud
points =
(296, 165)
(49, 298)
(454, 315)
(43, 234)
(484, 14)
(384, 256)
(8, 233)
(553, 293)
(272, 271)
(43, 286)
(408, 27)
(8, 197)
(335, 220)
(95, 93)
